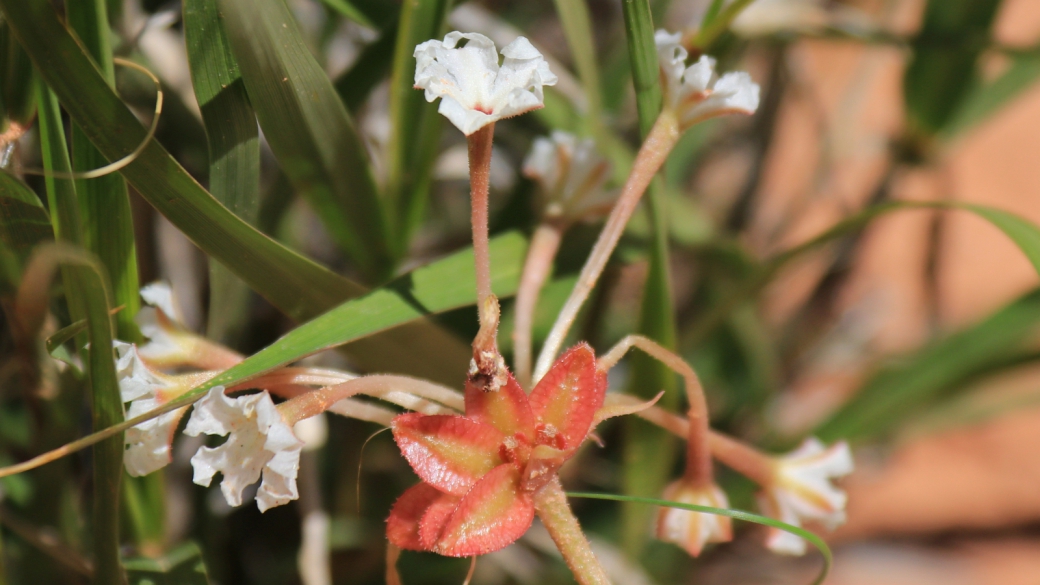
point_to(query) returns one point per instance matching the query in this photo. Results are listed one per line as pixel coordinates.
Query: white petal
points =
(474, 90)
(692, 530)
(160, 296)
(260, 444)
(571, 174)
(671, 57)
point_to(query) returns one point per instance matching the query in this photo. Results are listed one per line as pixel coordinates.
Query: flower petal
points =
(508, 409)
(449, 452)
(692, 530)
(491, 516)
(403, 525)
(565, 401)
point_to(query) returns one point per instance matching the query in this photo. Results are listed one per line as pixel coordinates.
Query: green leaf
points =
(24, 222)
(308, 128)
(234, 150)
(446, 284)
(906, 387)
(17, 91)
(828, 558)
(648, 451)
(108, 227)
(181, 566)
(577, 28)
(294, 284)
(717, 21)
(89, 284)
(943, 68)
(988, 99)
(415, 124)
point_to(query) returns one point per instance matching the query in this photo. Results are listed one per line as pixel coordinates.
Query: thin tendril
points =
(361, 459)
(126, 160)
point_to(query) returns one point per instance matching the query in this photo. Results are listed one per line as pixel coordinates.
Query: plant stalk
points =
(479, 174)
(537, 267)
(555, 513)
(652, 155)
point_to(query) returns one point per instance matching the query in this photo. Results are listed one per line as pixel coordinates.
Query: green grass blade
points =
(943, 69)
(717, 22)
(415, 124)
(24, 222)
(108, 228)
(577, 28)
(294, 284)
(16, 85)
(648, 451)
(347, 9)
(988, 99)
(308, 128)
(828, 557)
(901, 390)
(234, 150)
(89, 279)
(444, 285)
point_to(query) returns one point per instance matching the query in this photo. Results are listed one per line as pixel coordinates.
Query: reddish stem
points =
(552, 507)
(537, 267)
(479, 176)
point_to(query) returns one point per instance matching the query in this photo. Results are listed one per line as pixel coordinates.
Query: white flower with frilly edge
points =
(474, 89)
(802, 492)
(148, 444)
(695, 93)
(260, 442)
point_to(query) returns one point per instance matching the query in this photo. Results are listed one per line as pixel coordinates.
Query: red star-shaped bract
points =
(480, 471)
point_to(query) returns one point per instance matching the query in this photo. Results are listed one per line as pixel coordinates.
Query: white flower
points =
(692, 530)
(148, 444)
(260, 442)
(694, 92)
(170, 343)
(802, 491)
(571, 174)
(474, 89)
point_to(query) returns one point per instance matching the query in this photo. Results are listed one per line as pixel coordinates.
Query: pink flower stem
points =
(554, 511)
(537, 267)
(740, 457)
(479, 174)
(698, 451)
(318, 401)
(651, 157)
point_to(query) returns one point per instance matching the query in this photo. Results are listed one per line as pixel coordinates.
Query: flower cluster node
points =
(476, 90)
(696, 93)
(570, 174)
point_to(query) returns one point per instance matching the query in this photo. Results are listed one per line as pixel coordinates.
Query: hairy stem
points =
(387, 387)
(479, 172)
(537, 267)
(555, 513)
(698, 451)
(652, 154)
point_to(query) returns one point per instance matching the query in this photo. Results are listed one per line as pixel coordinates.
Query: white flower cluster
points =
(571, 173)
(474, 89)
(695, 93)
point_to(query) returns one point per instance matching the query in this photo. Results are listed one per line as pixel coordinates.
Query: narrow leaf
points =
(988, 99)
(308, 128)
(234, 149)
(24, 222)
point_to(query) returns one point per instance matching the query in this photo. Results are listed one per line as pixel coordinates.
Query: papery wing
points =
(449, 452)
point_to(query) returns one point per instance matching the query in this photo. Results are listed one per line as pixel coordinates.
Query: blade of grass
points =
(713, 27)
(108, 228)
(24, 222)
(648, 452)
(444, 285)
(371, 67)
(901, 390)
(415, 124)
(234, 150)
(106, 404)
(986, 100)
(577, 28)
(828, 557)
(295, 285)
(16, 86)
(308, 128)
(348, 10)
(1024, 234)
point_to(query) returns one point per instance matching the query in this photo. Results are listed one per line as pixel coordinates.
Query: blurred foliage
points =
(326, 196)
